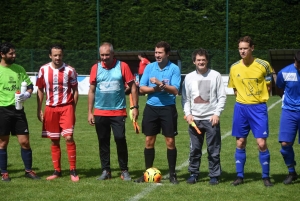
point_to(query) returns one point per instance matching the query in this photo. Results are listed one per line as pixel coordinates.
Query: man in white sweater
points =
(203, 100)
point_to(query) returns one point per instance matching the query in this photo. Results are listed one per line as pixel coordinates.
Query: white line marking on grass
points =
(273, 105)
(149, 189)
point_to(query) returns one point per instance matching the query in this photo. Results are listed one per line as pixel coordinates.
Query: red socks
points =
(56, 155)
(71, 149)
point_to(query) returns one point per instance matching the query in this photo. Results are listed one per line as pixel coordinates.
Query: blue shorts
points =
(248, 117)
(289, 125)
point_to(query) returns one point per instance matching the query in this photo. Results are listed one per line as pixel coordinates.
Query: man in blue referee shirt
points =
(161, 81)
(288, 80)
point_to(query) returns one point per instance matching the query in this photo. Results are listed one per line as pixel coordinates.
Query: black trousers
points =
(104, 125)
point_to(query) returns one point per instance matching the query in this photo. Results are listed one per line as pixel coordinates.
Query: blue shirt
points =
(288, 79)
(170, 74)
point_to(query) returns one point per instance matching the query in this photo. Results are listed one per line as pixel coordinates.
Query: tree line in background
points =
(139, 24)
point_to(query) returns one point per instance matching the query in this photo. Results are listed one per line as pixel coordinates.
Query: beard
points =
(9, 61)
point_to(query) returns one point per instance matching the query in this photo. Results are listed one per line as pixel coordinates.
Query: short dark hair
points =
(246, 39)
(5, 47)
(297, 56)
(56, 46)
(165, 45)
(200, 52)
(142, 54)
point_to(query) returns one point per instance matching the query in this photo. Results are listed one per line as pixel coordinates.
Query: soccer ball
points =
(152, 175)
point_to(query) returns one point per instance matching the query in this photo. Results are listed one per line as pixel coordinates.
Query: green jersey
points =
(11, 78)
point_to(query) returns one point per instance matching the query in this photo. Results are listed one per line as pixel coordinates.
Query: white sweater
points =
(203, 95)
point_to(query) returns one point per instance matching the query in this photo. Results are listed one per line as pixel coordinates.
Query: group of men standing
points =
(203, 100)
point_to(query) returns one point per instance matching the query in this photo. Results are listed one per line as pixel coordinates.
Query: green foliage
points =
(38, 24)
(292, 2)
(139, 24)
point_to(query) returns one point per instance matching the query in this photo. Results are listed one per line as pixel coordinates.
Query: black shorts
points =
(157, 118)
(13, 121)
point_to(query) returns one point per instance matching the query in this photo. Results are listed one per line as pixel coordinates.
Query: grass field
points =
(88, 165)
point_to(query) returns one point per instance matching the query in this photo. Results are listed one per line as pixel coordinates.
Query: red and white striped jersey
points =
(58, 83)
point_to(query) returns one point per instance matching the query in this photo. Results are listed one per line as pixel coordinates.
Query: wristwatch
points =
(135, 106)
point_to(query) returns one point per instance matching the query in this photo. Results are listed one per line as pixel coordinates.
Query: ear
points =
(168, 53)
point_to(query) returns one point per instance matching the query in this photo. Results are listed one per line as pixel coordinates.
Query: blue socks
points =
(288, 155)
(264, 159)
(240, 160)
(26, 155)
(3, 160)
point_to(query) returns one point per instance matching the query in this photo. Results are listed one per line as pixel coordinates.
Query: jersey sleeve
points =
(25, 77)
(145, 78)
(73, 79)
(93, 74)
(40, 79)
(176, 78)
(126, 72)
(269, 73)
(230, 80)
(280, 81)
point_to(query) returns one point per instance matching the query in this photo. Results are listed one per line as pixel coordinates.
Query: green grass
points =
(88, 165)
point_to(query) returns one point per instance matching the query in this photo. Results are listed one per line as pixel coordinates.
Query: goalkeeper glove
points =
(23, 97)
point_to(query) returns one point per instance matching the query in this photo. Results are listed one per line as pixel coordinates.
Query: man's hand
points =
(91, 119)
(153, 80)
(23, 97)
(189, 119)
(214, 120)
(135, 114)
(40, 115)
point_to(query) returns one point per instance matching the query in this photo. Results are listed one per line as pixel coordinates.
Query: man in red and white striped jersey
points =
(59, 81)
